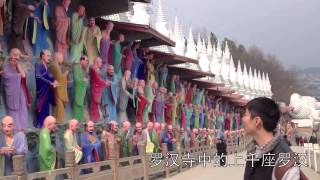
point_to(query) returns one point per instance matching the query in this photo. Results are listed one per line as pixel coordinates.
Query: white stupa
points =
(263, 85)
(225, 68)
(256, 83)
(140, 14)
(246, 83)
(261, 94)
(226, 52)
(191, 47)
(209, 47)
(269, 91)
(233, 75)
(178, 38)
(251, 83)
(204, 63)
(239, 78)
(161, 22)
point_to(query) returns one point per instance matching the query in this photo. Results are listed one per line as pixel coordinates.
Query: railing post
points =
(114, 157)
(164, 154)
(19, 167)
(144, 158)
(71, 162)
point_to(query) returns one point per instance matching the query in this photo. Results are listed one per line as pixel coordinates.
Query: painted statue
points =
(39, 26)
(17, 99)
(93, 40)
(10, 144)
(61, 94)
(80, 86)
(110, 94)
(96, 89)
(90, 144)
(62, 25)
(78, 34)
(45, 84)
(70, 140)
(47, 151)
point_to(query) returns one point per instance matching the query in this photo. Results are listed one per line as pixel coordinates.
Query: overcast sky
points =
(289, 29)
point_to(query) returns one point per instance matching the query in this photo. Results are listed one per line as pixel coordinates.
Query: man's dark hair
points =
(267, 110)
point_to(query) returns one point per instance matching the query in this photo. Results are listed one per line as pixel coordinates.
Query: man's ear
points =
(258, 122)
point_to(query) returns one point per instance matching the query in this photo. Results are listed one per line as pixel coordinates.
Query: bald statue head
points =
(7, 125)
(90, 127)
(45, 56)
(138, 127)
(110, 70)
(126, 125)
(14, 56)
(157, 126)
(150, 125)
(73, 125)
(97, 62)
(170, 128)
(58, 57)
(50, 124)
(109, 26)
(114, 126)
(81, 11)
(127, 74)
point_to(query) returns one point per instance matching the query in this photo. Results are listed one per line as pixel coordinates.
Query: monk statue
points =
(78, 34)
(93, 39)
(138, 139)
(124, 96)
(136, 60)
(163, 75)
(21, 12)
(142, 104)
(105, 43)
(110, 94)
(125, 139)
(96, 89)
(38, 26)
(117, 55)
(62, 24)
(61, 94)
(16, 92)
(90, 144)
(111, 140)
(149, 91)
(47, 151)
(10, 144)
(150, 69)
(132, 102)
(80, 85)
(45, 84)
(70, 140)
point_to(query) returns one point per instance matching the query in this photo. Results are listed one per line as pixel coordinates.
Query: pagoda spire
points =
(191, 47)
(161, 22)
(178, 38)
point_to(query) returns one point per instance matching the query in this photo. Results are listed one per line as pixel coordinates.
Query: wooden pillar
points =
(19, 169)
(70, 162)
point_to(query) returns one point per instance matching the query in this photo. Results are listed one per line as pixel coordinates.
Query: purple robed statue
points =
(45, 95)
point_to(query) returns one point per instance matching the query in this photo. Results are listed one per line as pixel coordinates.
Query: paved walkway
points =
(231, 172)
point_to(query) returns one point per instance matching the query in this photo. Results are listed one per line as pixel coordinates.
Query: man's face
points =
(138, 128)
(99, 63)
(110, 71)
(81, 11)
(121, 38)
(14, 57)
(92, 22)
(84, 63)
(7, 128)
(46, 57)
(66, 3)
(52, 126)
(90, 127)
(250, 125)
(74, 127)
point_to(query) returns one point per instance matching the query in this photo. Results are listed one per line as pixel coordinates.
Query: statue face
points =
(92, 22)
(110, 71)
(90, 127)
(46, 56)
(82, 11)
(121, 38)
(7, 126)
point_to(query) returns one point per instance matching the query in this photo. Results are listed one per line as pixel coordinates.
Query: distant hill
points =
(311, 70)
